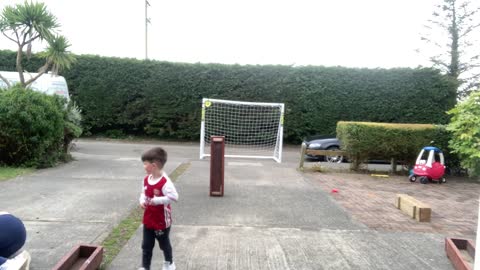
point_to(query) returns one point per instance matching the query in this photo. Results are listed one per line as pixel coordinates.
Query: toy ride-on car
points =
(429, 166)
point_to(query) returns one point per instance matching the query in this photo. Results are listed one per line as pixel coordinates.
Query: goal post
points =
(251, 129)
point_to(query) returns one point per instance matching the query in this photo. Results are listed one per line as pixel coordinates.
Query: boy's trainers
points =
(169, 266)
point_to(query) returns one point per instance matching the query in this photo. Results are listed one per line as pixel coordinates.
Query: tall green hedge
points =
(164, 99)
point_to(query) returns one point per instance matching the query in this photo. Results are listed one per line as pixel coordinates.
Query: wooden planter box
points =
(461, 253)
(81, 257)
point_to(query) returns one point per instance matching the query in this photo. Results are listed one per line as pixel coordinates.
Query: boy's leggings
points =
(148, 243)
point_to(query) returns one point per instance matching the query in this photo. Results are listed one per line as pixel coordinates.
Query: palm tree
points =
(57, 56)
(25, 23)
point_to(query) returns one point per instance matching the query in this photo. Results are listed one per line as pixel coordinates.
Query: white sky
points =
(352, 33)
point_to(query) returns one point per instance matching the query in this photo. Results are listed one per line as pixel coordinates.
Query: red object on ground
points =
(334, 190)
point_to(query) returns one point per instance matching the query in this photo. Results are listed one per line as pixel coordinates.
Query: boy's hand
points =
(146, 202)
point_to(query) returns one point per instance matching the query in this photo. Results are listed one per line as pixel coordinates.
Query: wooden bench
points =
(413, 207)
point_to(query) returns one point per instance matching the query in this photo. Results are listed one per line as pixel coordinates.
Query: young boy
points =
(158, 192)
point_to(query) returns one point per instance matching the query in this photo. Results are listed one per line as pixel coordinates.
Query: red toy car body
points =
(430, 166)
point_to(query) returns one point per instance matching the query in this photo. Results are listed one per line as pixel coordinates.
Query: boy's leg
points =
(163, 238)
(147, 247)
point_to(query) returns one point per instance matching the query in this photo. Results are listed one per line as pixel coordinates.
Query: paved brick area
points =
(370, 200)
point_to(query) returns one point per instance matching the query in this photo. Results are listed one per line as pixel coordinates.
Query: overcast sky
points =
(352, 33)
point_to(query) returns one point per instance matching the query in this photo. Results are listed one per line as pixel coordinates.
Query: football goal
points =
(251, 129)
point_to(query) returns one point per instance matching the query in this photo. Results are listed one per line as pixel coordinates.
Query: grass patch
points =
(120, 235)
(179, 171)
(11, 172)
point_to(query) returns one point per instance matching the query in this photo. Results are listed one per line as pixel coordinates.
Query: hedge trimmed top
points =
(390, 125)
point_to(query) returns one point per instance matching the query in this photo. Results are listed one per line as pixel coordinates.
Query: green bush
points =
(465, 130)
(72, 120)
(114, 134)
(403, 142)
(31, 128)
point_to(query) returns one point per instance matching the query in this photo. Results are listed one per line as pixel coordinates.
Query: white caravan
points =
(47, 83)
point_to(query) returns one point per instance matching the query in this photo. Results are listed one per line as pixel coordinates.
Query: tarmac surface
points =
(271, 216)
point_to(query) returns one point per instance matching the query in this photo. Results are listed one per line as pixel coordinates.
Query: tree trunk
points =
(355, 165)
(454, 53)
(393, 163)
(19, 65)
(42, 71)
(6, 81)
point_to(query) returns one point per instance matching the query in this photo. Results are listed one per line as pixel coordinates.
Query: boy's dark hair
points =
(156, 154)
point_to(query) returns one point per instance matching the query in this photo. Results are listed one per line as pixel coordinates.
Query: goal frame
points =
(279, 142)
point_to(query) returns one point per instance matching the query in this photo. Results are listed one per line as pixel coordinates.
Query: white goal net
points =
(251, 129)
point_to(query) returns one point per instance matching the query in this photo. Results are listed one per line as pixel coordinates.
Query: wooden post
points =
(303, 151)
(217, 165)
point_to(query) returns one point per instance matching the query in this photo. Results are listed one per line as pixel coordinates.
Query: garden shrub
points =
(402, 142)
(31, 128)
(465, 131)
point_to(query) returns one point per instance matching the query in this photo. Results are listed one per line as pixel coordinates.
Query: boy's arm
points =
(170, 192)
(142, 198)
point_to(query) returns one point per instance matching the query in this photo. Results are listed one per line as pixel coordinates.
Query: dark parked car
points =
(324, 143)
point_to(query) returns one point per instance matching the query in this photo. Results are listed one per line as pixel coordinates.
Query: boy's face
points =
(150, 167)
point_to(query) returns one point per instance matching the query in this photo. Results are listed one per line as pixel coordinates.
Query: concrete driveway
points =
(79, 202)
(271, 217)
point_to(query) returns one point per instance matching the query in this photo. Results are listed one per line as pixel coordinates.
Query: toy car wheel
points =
(443, 180)
(423, 180)
(412, 178)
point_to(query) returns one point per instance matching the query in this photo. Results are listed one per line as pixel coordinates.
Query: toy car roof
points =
(429, 148)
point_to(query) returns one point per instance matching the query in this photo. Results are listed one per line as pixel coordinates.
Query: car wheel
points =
(424, 180)
(412, 178)
(334, 159)
(443, 180)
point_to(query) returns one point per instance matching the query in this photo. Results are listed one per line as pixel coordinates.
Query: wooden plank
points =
(326, 152)
(413, 207)
(423, 212)
(398, 199)
(408, 206)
